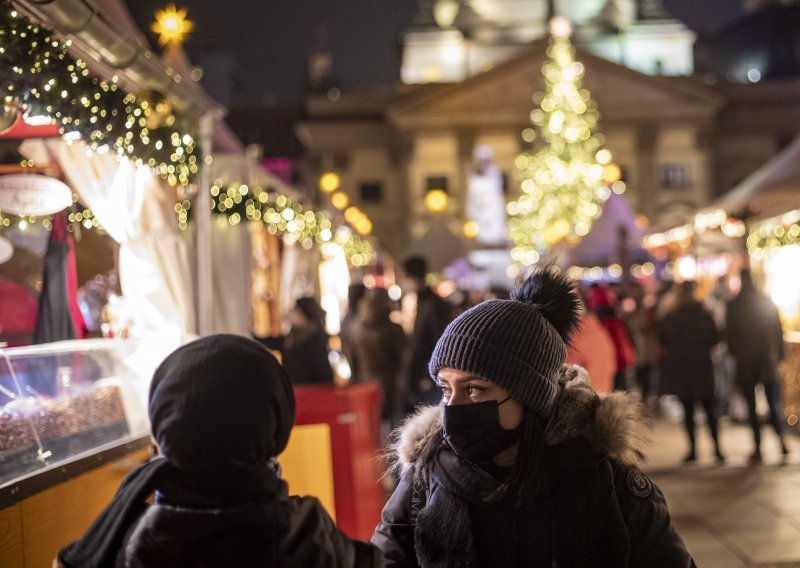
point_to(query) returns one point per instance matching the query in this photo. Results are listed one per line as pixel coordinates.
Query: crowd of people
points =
(705, 351)
(506, 451)
(518, 463)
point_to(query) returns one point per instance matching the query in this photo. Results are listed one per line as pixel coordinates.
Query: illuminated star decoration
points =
(171, 25)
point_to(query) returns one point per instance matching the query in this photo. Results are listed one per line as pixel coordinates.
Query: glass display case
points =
(62, 401)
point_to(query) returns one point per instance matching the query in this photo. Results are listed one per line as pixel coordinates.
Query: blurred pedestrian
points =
(755, 339)
(432, 316)
(221, 409)
(688, 335)
(376, 350)
(591, 348)
(644, 337)
(304, 350)
(522, 464)
(355, 293)
(603, 303)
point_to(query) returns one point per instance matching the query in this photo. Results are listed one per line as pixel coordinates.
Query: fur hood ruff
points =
(617, 425)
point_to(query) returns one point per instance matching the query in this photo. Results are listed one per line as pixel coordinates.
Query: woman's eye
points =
(475, 391)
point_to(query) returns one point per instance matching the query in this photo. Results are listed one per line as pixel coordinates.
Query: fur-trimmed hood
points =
(616, 425)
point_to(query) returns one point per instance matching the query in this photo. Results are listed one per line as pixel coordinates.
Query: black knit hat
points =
(518, 344)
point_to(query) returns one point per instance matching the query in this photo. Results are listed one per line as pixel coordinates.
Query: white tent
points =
(602, 245)
(772, 189)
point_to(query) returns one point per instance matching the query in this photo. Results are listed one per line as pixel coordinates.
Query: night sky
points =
(265, 44)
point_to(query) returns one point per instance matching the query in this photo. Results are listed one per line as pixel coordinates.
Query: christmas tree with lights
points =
(564, 178)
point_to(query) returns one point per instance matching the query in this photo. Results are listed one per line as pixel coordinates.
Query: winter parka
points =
(688, 334)
(167, 536)
(599, 510)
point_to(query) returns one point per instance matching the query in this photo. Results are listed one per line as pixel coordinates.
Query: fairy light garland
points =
(45, 80)
(282, 216)
(78, 215)
(562, 184)
(772, 233)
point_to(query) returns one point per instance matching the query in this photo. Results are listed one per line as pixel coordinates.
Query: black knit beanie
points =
(518, 344)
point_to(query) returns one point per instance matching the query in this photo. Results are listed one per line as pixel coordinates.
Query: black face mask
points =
(474, 431)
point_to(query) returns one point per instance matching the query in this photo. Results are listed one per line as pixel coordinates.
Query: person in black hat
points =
(221, 408)
(523, 464)
(304, 350)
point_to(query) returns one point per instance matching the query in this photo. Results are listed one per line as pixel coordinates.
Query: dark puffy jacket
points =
(755, 337)
(433, 315)
(304, 355)
(598, 512)
(174, 537)
(688, 333)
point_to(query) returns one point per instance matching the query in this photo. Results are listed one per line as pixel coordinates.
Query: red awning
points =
(22, 129)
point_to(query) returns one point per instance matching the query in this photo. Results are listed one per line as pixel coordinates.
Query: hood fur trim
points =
(617, 425)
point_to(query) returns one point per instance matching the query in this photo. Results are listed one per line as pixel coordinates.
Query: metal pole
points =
(205, 294)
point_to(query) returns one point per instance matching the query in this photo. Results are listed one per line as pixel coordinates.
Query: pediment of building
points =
(502, 96)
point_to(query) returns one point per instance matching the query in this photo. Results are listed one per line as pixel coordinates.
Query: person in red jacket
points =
(591, 348)
(604, 304)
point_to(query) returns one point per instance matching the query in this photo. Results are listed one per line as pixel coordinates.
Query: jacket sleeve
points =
(313, 541)
(654, 541)
(394, 535)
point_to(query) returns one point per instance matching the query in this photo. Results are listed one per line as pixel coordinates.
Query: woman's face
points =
(460, 387)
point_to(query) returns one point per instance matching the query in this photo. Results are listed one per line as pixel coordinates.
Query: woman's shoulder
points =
(415, 439)
(616, 425)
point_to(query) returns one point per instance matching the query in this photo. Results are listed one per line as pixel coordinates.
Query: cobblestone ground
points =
(732, 515)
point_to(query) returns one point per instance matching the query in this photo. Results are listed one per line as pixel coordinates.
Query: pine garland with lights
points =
(282, 216)
(561, 178)
(40, 75)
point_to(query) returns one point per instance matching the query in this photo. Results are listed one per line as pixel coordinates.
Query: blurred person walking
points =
(688, 335)
(433, 315)
(376, 350)
(603, 303)
(304, 350)
(592, 348)
(355, 294)
(644, 336)
(755, 339)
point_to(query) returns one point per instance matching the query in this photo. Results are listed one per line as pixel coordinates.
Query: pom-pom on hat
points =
(518, 344)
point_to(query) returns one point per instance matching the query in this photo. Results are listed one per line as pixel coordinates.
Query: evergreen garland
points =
(38, 74)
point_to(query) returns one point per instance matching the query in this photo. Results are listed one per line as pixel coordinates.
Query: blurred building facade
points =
(468, 74)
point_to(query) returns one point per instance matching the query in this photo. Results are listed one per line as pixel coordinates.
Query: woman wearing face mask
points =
(523, 464)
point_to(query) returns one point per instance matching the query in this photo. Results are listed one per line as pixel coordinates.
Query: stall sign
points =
(33, 194)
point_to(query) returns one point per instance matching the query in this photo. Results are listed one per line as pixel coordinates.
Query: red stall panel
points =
(353, 414)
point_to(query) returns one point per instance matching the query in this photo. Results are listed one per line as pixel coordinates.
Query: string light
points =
(563, 181)
(285, 217)
(48, 82)
(79, 215)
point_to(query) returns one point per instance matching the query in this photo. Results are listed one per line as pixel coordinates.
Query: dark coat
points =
(433, 315)
(755, 337)
(688, 334)
(175, 537)
(375, 354)
(599, 511)
(304, 355)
